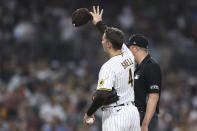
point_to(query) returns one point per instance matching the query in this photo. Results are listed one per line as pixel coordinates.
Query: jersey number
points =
(130, 78)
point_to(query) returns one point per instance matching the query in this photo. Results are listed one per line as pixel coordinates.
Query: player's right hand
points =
(97, 15)
(87, 118)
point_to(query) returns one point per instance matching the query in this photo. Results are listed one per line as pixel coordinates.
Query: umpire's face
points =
(133, 49)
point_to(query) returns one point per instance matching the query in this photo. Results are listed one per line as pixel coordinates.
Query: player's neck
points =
(113, 53)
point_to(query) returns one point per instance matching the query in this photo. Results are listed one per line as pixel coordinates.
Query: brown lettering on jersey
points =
(127, 63)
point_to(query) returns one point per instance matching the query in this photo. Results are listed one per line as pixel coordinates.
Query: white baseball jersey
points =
(126, 50)
(118, 73)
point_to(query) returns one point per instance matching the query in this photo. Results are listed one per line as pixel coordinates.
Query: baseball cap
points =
(138, 40)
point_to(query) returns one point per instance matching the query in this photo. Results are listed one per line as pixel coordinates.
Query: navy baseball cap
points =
(138, 40)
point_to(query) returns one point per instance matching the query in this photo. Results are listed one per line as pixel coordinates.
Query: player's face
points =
(104, 42)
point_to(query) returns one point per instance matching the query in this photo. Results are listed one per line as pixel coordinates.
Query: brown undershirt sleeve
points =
(101, 98)
(101, 26)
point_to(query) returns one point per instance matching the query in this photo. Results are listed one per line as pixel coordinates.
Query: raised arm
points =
(97, 19)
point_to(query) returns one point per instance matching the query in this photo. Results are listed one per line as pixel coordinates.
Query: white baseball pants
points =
(121, 118)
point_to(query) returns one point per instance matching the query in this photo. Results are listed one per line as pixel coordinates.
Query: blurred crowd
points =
(49, 69)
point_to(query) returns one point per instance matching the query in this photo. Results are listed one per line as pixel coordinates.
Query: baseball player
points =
(115, 77)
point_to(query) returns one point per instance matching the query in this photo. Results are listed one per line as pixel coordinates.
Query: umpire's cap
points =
(138, 40)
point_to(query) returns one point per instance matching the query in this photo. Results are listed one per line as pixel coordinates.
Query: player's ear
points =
(109, 44)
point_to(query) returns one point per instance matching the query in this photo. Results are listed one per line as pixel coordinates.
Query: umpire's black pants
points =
(153, 126)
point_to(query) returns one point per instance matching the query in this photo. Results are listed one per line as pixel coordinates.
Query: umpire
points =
(147, 83)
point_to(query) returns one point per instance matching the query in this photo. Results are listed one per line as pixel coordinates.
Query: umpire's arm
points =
(150, 108)
(153, 79)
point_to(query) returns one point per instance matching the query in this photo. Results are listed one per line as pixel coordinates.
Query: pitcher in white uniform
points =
(116, 74)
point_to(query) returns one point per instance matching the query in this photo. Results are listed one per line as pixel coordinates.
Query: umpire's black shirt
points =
(147, 79)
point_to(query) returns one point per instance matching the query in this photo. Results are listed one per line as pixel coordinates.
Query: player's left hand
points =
(87, 118)
(96, 14)
(144, 128)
